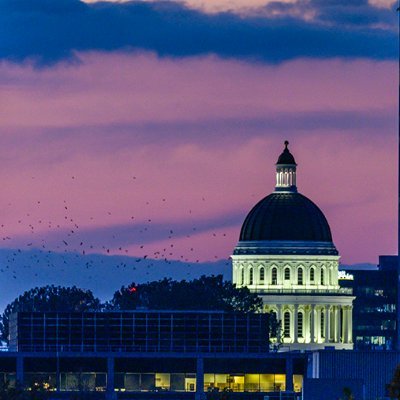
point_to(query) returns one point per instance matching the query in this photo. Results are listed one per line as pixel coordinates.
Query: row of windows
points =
(300, 323)
(286, 276)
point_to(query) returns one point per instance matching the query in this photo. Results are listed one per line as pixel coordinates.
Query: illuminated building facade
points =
(286, 254)
(374, 316)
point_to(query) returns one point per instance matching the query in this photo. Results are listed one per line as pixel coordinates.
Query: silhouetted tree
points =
(204, 293)
(394, 385)
(347, 393)
(49, 298)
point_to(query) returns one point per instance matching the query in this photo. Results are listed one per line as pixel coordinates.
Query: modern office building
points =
(286, 254)
(149, 354)
(374, 311)
(139, 331)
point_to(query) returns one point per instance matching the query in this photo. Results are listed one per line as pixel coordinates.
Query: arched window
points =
(322, 324)
(274, 276)
(286, 324)
(287, 274)
(262, 274)
(300, 276)
(312, 274)
(251, 276)
(322, 276)
(300, 324)
(242, 276)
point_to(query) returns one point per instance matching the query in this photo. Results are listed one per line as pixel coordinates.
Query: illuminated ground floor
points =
(156, 382)
(116, 375)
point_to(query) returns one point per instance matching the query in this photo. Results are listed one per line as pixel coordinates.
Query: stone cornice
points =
(285, 248)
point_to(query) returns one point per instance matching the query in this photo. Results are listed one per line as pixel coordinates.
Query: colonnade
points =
(315, 323)
(286, 177)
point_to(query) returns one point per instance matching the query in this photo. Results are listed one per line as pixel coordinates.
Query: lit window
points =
(274, 276)
(262, 274)
(300, 324)
(286, 323)
(287, 274)
(242, 276)
(300, 276)
(322, 277)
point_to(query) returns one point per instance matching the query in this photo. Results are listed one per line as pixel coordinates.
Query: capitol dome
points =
(285, 255)
(285, 221)
(286, 216)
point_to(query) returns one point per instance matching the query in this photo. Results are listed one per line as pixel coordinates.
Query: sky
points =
(151, 128)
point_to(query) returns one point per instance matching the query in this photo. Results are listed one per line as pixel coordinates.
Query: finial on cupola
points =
(286, 171)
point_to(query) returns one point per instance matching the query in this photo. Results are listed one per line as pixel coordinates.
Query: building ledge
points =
(322, 292)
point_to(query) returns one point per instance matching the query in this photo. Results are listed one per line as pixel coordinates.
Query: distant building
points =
(374, 312)
(286, 255)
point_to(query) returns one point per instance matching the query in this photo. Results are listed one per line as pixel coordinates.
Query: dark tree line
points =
(204, 293)
(49, 298)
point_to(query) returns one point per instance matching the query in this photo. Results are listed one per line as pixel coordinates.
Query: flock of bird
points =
(44, 239)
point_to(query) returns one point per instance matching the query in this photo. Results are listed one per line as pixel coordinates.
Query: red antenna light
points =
(132, 289)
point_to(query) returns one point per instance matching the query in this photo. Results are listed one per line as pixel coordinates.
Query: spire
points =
(286, 171)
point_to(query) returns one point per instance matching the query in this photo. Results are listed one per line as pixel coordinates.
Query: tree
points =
(49, 298)
(204, 293)
(347, 393)
(394, 385)
(37, 392)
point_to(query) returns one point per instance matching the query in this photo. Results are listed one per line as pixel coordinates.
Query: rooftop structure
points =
(139, 331)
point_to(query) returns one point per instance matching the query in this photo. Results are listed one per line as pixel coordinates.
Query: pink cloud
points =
(177, 142)
(117, 88)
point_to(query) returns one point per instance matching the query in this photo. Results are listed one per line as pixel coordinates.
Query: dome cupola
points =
(286, 171)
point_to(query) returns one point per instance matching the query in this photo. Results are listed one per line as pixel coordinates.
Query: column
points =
(20, 370)
(306, 324)
(199, 379)
(333, 324)
(350, 327)
(110, 393)
(289, 374)
(295, 323)
(327, 323)
(345, 324)
(339, 325)
(312, 329)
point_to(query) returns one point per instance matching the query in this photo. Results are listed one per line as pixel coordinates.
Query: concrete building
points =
(286, 254)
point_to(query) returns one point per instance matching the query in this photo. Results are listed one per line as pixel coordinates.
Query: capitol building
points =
(286, 255)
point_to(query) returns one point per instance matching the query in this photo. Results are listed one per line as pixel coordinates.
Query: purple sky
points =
(127, 143)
